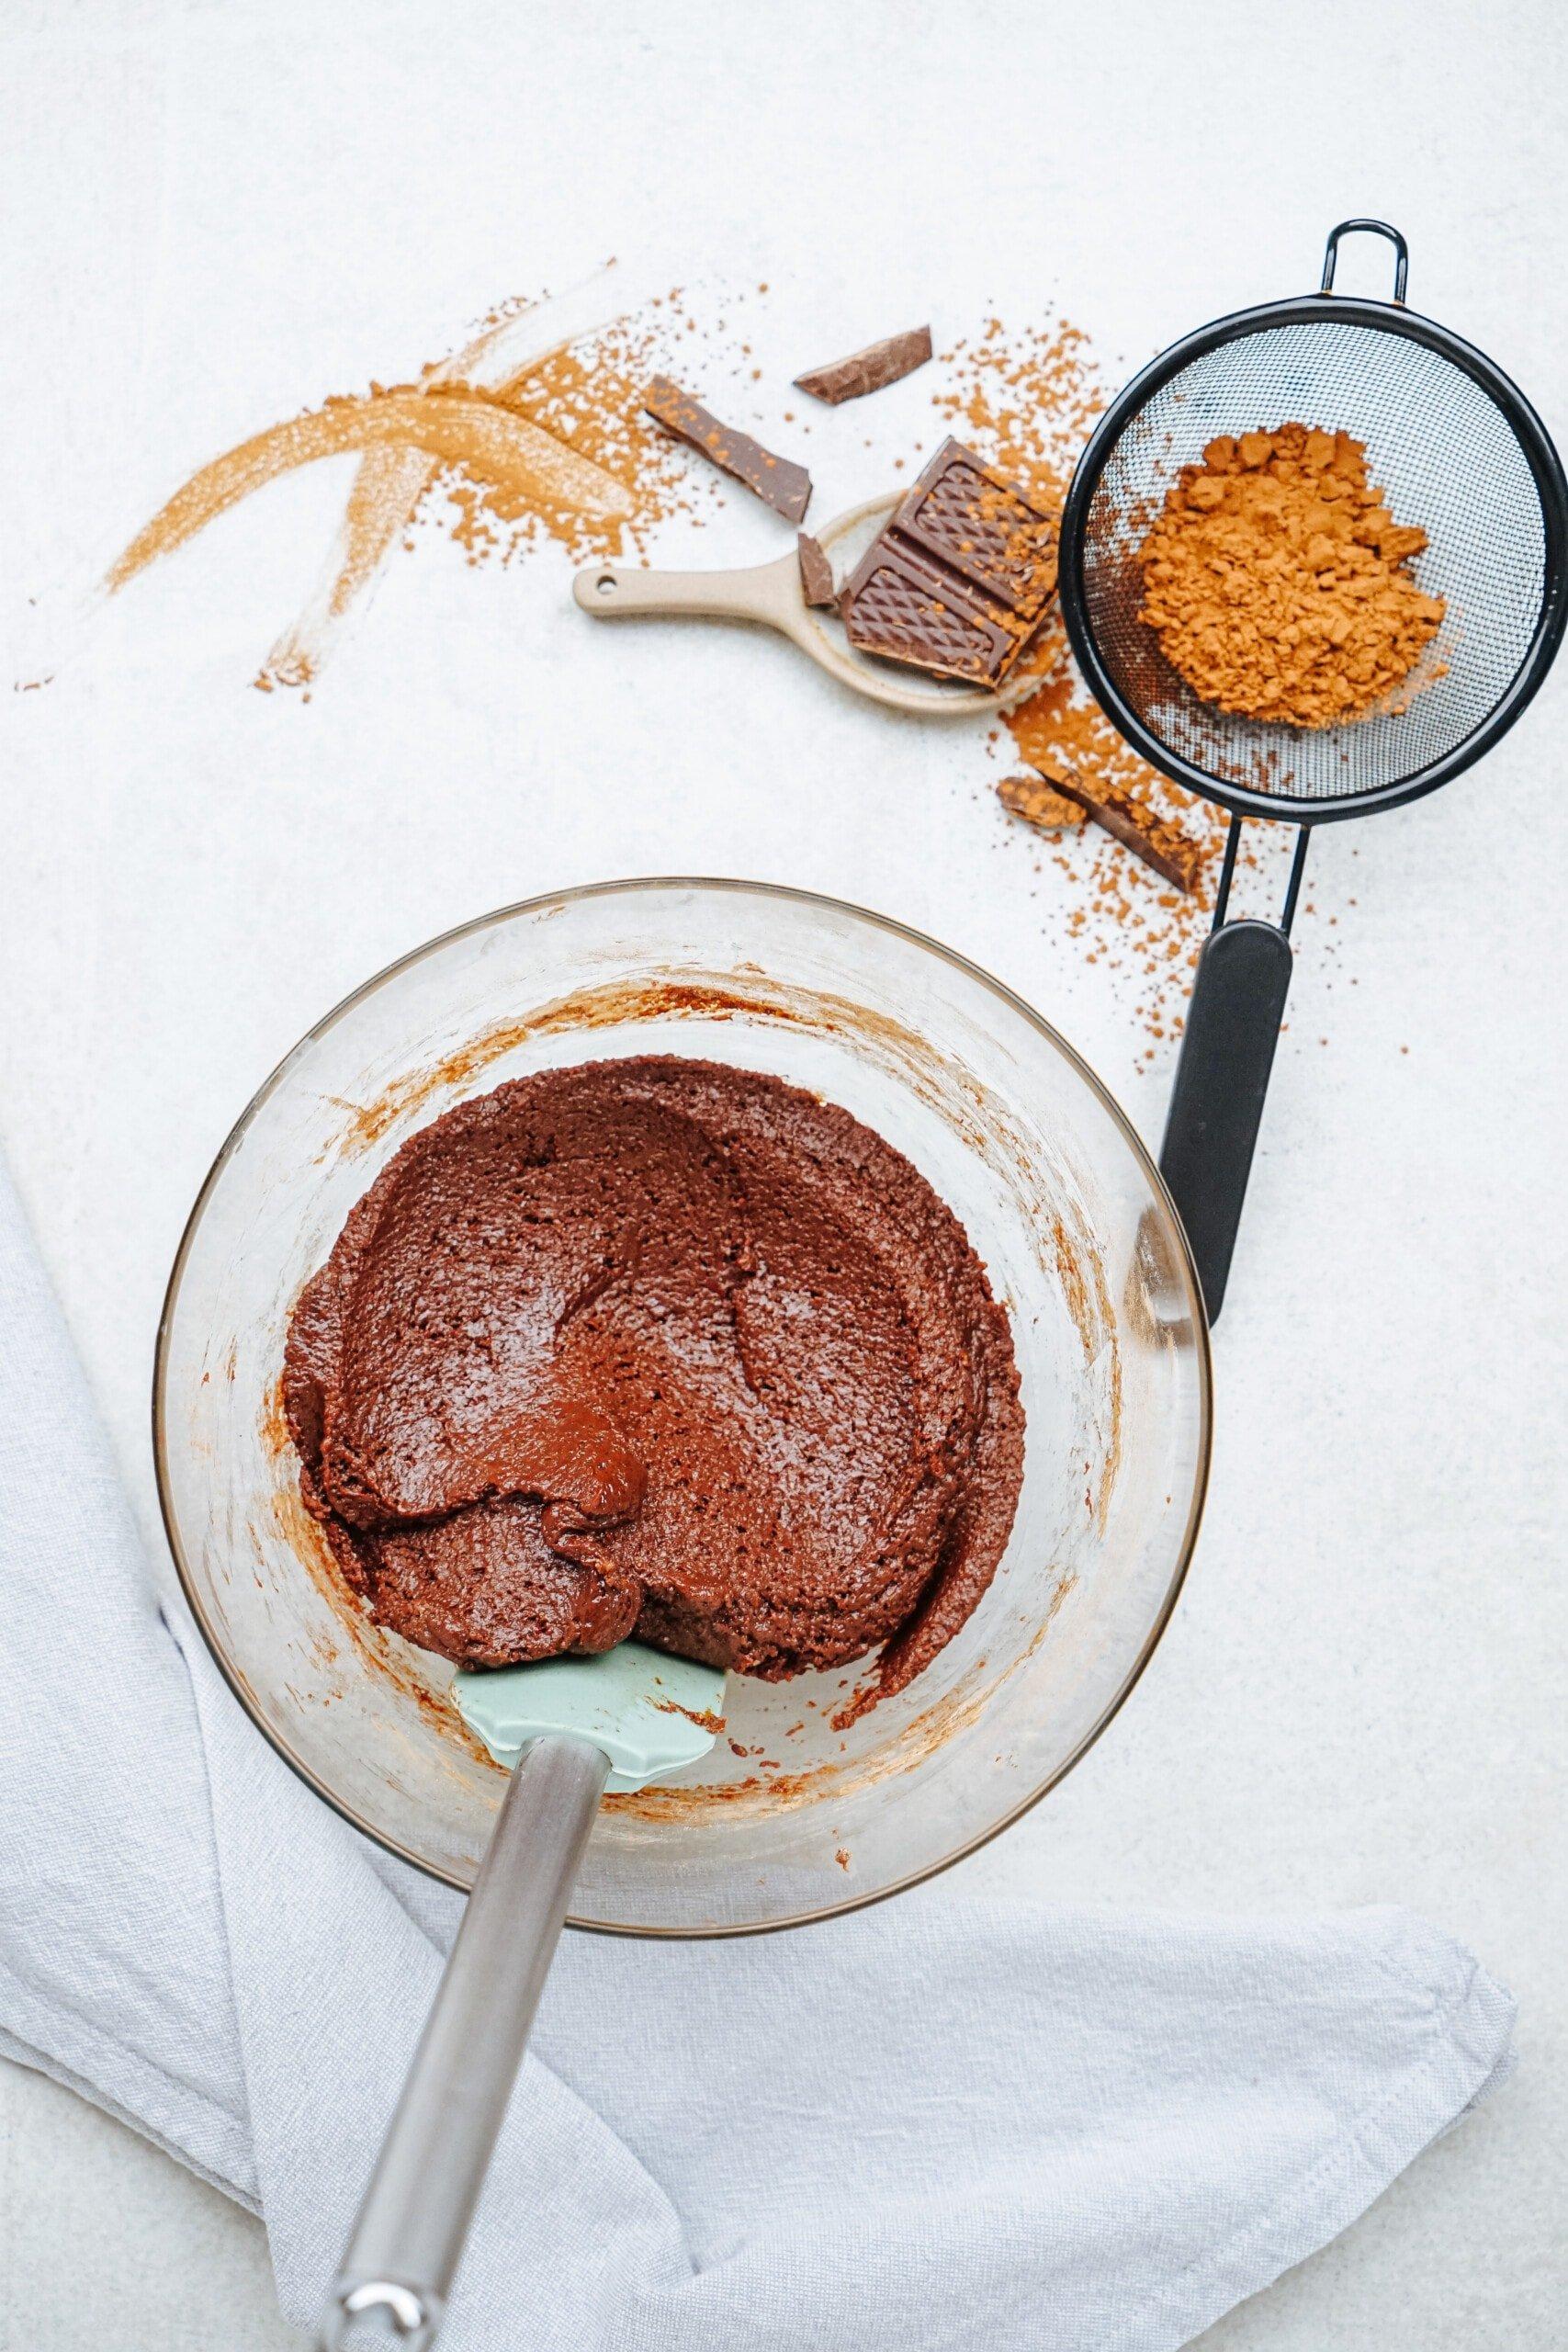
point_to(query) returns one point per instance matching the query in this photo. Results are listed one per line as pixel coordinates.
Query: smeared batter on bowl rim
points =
(656, 1344)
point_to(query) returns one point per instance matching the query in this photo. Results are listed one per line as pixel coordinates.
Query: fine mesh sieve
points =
(1458, 450)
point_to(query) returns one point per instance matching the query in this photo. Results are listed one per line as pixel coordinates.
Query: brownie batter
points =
(660, 1346)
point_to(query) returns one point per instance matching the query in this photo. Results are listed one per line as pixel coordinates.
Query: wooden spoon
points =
(770, 595)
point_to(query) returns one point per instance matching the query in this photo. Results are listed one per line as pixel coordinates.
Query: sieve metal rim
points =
(1551, 489)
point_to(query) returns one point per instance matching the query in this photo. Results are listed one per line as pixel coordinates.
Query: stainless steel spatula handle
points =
(405, 2245)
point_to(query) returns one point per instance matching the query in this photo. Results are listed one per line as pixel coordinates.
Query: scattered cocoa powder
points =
(1279, 583)
(1127, 917)
(589, 397)
(1028, 401)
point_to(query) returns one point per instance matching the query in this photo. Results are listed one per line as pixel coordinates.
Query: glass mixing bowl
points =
(789, 1818)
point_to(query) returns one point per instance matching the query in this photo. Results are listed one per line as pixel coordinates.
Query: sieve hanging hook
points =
(1376, 228)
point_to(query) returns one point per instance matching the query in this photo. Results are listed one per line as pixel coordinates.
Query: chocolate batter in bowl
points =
(805, 1806)
(651, 1345)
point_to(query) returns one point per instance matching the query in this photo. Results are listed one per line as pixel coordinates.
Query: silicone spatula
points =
(570, 1730)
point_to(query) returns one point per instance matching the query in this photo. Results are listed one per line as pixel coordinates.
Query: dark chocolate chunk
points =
(959, 576)
(815, 572)
(869, 370)
(786, 486)
(1159, 839)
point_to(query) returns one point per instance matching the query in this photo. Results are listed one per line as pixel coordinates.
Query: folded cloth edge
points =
(226, 2164)
(1469, 2054)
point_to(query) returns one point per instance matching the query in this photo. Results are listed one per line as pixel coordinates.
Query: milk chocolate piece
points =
(816, 571)
(870, 370)
(1157, 839)
(959, 579)
(786, 486)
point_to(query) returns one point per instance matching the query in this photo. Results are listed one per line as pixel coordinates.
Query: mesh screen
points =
(1447, 458)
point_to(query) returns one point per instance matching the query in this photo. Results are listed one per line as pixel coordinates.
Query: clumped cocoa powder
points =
(1040, 804)
(1279, 582)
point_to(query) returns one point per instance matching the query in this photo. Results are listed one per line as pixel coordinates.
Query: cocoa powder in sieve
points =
(1279, 582)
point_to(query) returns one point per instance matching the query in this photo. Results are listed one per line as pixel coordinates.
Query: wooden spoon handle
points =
(763, 591)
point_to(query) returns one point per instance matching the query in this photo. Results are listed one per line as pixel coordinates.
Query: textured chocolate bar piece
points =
(786, 486)
(816, 571)
(870, 370)
(908, 610)
(959, 576)
(983, 527)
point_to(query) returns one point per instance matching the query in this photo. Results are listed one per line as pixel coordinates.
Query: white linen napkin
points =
(946, 2121)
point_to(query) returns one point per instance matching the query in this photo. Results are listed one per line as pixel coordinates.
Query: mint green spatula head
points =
(648, 1713)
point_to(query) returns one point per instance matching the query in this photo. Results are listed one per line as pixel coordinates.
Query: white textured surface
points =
(213, 217)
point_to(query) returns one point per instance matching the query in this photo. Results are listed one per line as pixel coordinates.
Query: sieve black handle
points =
(1216, 1105)
(1376, 228)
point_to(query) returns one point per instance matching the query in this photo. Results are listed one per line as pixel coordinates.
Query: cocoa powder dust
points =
(529, 435)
